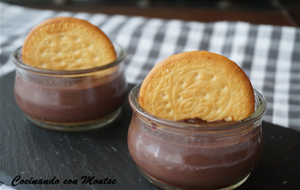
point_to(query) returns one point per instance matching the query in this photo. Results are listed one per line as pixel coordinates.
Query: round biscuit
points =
(67, 43)
(197, 84)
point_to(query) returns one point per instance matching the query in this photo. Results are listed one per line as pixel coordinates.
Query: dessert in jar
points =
(199, 138)
(69, 76)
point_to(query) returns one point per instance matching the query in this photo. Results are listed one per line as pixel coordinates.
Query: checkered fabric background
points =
(270, 55)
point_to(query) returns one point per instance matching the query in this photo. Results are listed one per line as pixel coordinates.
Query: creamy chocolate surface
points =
(198, 121)
(77, 101)
(188, 162)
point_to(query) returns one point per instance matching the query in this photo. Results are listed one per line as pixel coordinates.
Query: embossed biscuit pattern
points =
(66, 43)
(197, 85)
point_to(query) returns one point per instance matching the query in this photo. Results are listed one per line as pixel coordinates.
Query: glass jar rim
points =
(260, 109)
(17, 59)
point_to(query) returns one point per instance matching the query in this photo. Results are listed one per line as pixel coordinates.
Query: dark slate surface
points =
(36, 153)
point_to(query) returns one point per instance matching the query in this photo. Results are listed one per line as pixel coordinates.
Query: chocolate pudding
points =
(198, 121)
(69, 99)
(194, 159)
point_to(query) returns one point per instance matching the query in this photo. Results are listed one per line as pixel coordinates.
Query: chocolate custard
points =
(70, 100)
(192, 160)
(199, 121)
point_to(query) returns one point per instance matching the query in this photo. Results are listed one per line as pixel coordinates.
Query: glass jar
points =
(175, 155)
(71, 100)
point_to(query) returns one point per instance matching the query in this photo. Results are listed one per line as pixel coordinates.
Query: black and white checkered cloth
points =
(270, 55)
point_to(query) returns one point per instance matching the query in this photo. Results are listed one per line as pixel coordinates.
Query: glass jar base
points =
(163, 185)
(78, 126)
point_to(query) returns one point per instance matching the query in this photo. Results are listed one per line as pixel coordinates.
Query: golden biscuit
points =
(197, 84)
(67, 43)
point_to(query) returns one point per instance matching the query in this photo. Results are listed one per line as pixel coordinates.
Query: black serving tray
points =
(30, 152)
